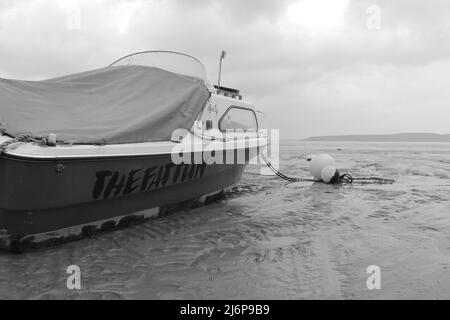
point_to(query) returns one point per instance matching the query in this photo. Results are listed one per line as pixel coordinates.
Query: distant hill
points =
(400, 137)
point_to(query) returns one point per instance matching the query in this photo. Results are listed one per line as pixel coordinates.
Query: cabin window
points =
(238, 118)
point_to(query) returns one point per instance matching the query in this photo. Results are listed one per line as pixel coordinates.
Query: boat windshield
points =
(168, 60)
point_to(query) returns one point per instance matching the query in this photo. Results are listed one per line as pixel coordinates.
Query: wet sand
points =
(270, 239)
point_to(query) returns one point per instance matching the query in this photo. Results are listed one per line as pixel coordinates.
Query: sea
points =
(273, 239)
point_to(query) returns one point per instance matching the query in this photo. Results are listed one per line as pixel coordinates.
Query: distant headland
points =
(399, 137)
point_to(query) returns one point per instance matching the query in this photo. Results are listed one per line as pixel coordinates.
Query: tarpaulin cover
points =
(123, 104)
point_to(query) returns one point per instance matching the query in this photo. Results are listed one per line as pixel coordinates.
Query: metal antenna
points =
(222, 56)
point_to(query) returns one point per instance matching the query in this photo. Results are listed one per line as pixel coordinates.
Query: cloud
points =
(309, 65)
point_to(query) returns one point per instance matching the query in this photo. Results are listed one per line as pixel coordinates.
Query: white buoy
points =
(320, 162)
(330, 174)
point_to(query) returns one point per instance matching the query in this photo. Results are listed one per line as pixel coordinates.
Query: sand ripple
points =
(272, 239)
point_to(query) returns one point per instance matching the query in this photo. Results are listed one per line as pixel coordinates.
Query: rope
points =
(374, 180)
(281, 175)
(346, 178)
(26, 137)
(343, 179)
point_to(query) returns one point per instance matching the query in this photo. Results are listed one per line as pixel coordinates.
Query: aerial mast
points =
(222, 56)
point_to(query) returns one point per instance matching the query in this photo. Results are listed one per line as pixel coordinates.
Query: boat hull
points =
(48, 201)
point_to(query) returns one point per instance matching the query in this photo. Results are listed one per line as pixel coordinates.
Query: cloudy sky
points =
(314, 67)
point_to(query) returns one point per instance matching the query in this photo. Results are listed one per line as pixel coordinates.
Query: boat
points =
(108, 148)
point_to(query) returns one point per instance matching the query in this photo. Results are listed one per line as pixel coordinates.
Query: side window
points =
(238, 118)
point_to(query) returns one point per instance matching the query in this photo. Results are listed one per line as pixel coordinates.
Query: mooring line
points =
(343, 179)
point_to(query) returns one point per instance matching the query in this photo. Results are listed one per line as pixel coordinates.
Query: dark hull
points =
(44, 202)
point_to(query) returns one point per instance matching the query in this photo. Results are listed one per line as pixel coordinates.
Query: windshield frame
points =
(204, 77)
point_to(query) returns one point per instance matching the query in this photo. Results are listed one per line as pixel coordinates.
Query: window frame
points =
(241, 108)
